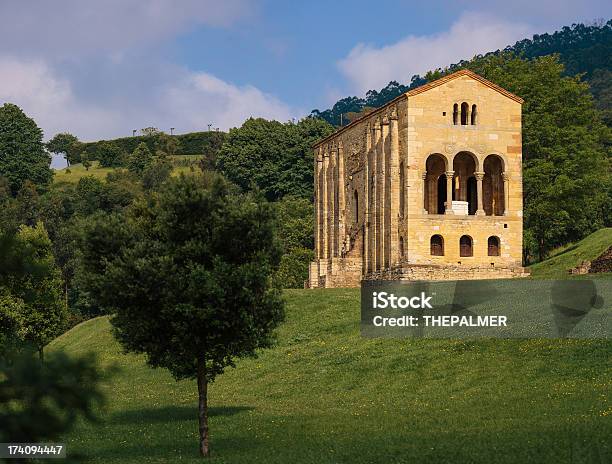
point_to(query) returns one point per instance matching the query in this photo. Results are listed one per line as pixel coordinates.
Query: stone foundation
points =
(447, 272)
(334, 273)
(346, 272)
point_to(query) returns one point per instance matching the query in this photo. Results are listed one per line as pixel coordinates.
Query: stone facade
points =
(427, 187)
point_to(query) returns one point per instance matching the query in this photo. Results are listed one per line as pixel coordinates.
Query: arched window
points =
(493, 246)
(465, 108)
(401, 246)
(493, 186)
(356, 206)
(434, 194)
(474, 112)
(436, 245)
(465, 246)
(464, 185)
(402, 189)
(455, 114)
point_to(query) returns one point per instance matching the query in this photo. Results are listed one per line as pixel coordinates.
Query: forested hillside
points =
(582, 49)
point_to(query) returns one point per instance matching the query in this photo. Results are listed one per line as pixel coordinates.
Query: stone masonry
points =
(427, 187)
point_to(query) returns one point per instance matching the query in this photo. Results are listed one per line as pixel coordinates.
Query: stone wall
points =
(373, 217)
(448, 272)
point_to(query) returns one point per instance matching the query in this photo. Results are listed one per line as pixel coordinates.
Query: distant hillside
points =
(583, 49)
(572, 255)
(190, 143)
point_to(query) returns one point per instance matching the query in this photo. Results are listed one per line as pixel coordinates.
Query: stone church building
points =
(427, 187)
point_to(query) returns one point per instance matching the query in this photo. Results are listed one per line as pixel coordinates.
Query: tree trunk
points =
(203, 408)
(41, 355)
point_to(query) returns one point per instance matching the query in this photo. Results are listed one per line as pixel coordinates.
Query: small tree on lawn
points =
(188, 275)
(85, 161)
(140, 159)
(62, 144)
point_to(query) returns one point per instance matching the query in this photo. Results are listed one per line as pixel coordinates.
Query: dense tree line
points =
(276, 157)
(115, 152)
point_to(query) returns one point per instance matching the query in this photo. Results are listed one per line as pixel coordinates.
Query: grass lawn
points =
(326, 395)
(76, 171)
(589, 248)
(182, 164)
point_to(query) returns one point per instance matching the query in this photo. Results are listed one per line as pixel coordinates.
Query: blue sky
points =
(101, 69)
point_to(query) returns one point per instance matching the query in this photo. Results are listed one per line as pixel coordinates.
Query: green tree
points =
(293, 269)
(43, 313)
(150, 131)
(109, 155)
(215, 252)
(156, 173)
(295, 231)
(11, 334)
(22, 152)
(27, 202)
(140, 159)
(85, 161)
(169, 144)
(275, 157)
(41, 402)
(566, 170)
(62, 144)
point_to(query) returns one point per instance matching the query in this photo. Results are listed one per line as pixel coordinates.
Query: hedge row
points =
(192, 143)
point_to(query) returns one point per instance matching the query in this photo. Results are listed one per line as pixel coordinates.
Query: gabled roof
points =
(421, 89)
(463, 72)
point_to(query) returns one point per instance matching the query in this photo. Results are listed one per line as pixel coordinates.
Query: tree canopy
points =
(187, 275)
(22, 152)
(275, 157)
(64, 144)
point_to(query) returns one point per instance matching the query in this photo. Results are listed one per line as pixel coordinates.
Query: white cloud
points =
(100, 69)
(68, 27)
(200, 99)
(368, 67)
(47, 98)
(187, 101)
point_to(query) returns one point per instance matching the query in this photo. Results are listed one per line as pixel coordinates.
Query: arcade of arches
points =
(450, 191)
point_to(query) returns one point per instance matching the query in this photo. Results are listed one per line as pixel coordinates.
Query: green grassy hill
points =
(589, 248)
(326, 395)
(181, 163)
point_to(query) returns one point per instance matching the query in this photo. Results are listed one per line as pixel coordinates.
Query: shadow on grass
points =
(172, 414)
(567, 250)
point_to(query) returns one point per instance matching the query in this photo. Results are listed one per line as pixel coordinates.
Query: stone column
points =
(325, 204)
(341, 197)
(506, 178)
(317, 198)
(479, 176)
(366, 203)
(384, 205)
(331, 193)
(449, 192)
(395, 187)
(377, 191)
(424, 177)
